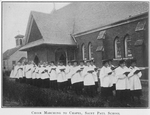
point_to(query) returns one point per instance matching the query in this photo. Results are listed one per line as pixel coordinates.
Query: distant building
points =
(85, 30)
(13, 55)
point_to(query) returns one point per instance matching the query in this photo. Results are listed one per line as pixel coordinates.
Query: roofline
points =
(115, 24)
(48, 44)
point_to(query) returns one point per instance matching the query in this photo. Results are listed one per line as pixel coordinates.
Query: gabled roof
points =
(19, 36)
(82, 16)
(9, 52)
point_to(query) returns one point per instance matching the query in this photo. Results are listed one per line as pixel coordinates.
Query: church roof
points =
(10, 52)
(57, 27)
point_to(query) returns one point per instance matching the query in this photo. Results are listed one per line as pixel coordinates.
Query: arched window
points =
(117, 48)
(127, 46)
(90, 51)
(83, 51)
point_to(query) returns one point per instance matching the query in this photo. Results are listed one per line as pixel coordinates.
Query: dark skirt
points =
(28, 81)
(113, 87)
(89, 90)
(106, 91)
(23, 79)
(123, 95)
(45, 83)
(53, 84)
(136, 93)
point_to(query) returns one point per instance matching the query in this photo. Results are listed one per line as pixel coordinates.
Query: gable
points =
(35, 33)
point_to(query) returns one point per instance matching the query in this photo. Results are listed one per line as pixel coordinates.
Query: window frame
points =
(83, 51)
(90, 50)
(116, 48)
(126, 54)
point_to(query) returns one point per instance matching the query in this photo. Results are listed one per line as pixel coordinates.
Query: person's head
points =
(52, 63)
(18, 63)
(69, 63)
(82, 63)
(105, 63)
(92, 61)
(133, 62)
(75, 63)
(110, 62)
(88, 63)
(122, 63)
(61, 63)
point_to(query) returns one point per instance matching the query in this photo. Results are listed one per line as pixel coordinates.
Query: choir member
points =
(45, 76)
(53, 75)
(12, 75)
(76, 77)
(105, 81)
(68, 74)
(122, 83)
(95, 75)
(17, 72)
(89, 81)
(134, 81)
(28, 73)
(61, 78)
(34, 75)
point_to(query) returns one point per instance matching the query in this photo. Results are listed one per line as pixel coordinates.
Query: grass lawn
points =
(22, 95)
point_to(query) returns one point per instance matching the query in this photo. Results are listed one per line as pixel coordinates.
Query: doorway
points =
(60, 55)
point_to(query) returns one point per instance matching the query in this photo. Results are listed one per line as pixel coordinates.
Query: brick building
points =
(88, 30)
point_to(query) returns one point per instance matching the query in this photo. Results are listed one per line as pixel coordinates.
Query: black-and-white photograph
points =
(75, 54)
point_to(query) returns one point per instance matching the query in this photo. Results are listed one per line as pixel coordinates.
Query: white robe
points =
(134, 79)
(20, 71)
(52, 73)
(68, 71)
(28, 71)
(94, 73)
(12, 75)
(122, 82)
(76, 76)
(61, 75)
(105, 79)
(33, 72)
(37, 72)
(89, 77)
(45, 74)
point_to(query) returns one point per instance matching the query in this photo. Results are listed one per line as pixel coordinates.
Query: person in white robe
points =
(76, 78)
(61, 78)
(134, 81)
(18, 72)
(122, 83)
(34, 75)
(28, 73)
(12, 75)
(113, 77)
(45, 76)
(68, 74)
(89, 80)
(53, 76)
(95, 75)
(105, 81)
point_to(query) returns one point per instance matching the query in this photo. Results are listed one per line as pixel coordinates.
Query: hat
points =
(82, 61)
(105, 61)
(74, 61)
(122, 61)
(133, 60)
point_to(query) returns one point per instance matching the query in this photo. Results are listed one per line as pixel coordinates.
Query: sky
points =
(15, 17)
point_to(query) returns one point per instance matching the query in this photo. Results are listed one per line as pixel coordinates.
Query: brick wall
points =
(138, 52)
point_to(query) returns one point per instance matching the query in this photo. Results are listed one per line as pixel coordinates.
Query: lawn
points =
(23, 95)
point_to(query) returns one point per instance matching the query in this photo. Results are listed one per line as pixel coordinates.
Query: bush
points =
(27, 95)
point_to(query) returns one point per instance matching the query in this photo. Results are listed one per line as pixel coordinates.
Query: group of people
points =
(122, 82)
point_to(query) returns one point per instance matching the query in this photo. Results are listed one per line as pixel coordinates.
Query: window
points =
(101, 35)
(139, 42)
(99, 49)
(90, 51)
(83, 51)
(20, 41)
(127, 46)
(13, 62)
(140, 25)
(117, 48)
